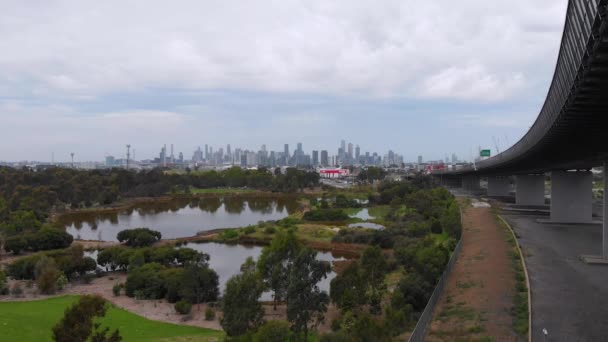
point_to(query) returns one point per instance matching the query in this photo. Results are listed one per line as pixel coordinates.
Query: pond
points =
(226, 260)
(363, 214)
(179, 217)
(366, 225)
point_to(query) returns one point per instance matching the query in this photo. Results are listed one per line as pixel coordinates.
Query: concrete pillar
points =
(605, 214)
(499, 186)
(470, 182)
(571, 197)
(530, 190)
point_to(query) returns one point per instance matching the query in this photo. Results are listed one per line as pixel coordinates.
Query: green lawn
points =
(33, 320)
(379, 211)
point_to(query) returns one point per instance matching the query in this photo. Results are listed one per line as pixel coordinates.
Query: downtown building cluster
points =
(347, 155)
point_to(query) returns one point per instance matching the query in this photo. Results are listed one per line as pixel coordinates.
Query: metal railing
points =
(427, 315)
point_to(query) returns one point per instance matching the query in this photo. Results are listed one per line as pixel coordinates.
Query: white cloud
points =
(471, 83)
(466, 49)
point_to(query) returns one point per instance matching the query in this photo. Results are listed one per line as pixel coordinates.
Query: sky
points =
(428, 78)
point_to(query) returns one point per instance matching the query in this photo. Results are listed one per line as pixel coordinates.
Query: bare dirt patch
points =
(478, 298)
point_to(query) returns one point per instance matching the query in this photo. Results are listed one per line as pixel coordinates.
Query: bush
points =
(229, 234)
(183, 307)
(335, 337)
(436, 227)
(116, 289)
(270, 230)
(148, 280)
(249, 230)
(209, 314)
(272, 331)
(16, 290)
(138, 237)
(326, 215)
(88, 278)
(62, 282)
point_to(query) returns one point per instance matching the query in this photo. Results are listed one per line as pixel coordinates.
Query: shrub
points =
(326, 215)
(436, 227)
(16, 290)
(62, 282)
(249, 230)
(88, 278)
(229, 234)
(209, 314)
(116, 289)
(47, 275)
(138, 237)
(183, 307)
(272, 331)
(148, 280)
(270, 230)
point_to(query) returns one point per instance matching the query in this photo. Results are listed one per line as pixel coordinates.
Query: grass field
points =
(33, 321)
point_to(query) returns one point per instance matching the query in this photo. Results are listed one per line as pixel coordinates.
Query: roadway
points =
(569, 297)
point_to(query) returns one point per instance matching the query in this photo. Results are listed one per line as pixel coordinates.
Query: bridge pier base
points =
(470, 183)
(530, 190)
(602, 259)
(499, 186)
(571, 197)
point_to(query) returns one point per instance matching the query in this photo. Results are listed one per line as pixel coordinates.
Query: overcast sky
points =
(430, 77)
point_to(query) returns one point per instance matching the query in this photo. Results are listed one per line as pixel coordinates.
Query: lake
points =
(226, 260)
(179, 217)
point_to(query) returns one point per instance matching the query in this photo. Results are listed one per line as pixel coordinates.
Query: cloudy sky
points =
(430, 77)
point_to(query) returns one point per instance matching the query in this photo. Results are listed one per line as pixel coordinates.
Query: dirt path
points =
(477, 301)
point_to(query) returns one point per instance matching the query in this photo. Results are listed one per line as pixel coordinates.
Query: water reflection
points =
(180, 217)
(226, 260)
(366, 225)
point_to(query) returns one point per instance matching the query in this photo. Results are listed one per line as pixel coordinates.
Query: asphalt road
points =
(569, 297)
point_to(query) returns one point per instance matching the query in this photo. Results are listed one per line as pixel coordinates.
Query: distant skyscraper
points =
(206, 151)
(110, 161)
(324, 158)
(343, 145)
(350, 150)
(419, 159)
(300, 148)
(315, 158)
(357, 152)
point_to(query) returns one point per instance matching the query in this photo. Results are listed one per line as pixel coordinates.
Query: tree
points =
(78, 322)
(306, 303)
(46, 274)
(147, 281)
(374, 266)
(272, 331)
(275, 262)
(348, 289)
(242, 310)
(138, 237)
(199, 284)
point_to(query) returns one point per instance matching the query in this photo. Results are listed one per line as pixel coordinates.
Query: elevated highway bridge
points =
(570, 134)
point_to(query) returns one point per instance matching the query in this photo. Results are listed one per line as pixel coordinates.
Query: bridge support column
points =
(499, 186)
(470, 183)
(571, 197)
(602, 259)
(530, 190)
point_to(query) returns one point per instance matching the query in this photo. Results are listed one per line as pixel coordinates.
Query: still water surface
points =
(180, 217)
(226, 260)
